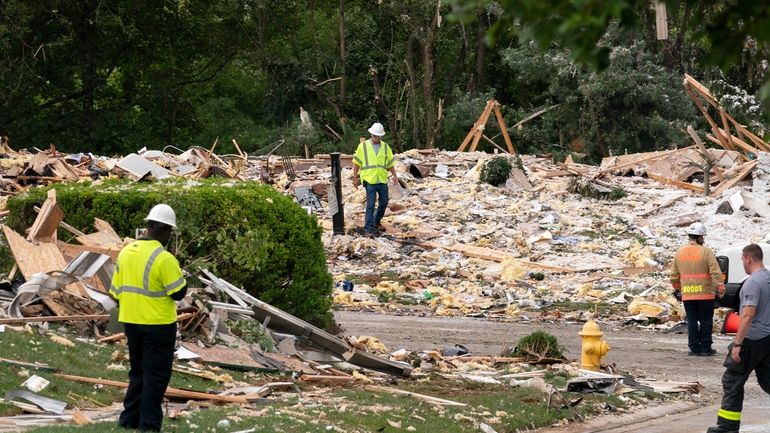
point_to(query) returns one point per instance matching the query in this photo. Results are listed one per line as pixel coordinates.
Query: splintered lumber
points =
(71, 318)
(326, 378)
(170, 392)
(238, 359)
(31, 258)
(492, 359)
(423, 397)
(741, 173)
(47, 221)
(104, 235)
(677, 183)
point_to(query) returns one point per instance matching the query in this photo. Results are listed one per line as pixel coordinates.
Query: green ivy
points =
(245, 232)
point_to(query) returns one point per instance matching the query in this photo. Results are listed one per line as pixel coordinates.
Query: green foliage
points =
(495, 171)
(635, 105)
(247, 233)
(538, 345)
(251, 331)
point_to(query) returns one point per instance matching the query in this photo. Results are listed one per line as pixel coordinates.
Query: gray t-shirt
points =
(756, 292)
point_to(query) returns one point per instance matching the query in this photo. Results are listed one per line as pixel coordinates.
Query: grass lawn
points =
(322, 409)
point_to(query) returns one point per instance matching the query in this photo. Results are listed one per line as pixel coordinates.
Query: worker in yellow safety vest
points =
(371, 163)
(146, 283)
(696, 277)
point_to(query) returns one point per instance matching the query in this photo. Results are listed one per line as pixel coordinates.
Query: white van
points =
(731, 265)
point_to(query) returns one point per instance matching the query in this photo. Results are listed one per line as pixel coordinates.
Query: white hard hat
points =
(696, 229)
(377, 129)
(162, 213)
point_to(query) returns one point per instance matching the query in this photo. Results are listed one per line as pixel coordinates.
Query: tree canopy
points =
(112, 77)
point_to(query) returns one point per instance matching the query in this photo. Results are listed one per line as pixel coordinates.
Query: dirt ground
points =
(640, 352)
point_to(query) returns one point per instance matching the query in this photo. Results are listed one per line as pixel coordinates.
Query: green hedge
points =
(244, 232)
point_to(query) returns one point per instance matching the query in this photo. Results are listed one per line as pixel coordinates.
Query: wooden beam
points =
(503, 128)
(705, 113)
(740, 174)
(479, 123)
(675, 182)
(423, 397)
(73, 318)
(482, 124)
(326, 378)
(639, 161)
(746, 147)
(493, 143)
(728, 134)
(47, 221)
(170, 392)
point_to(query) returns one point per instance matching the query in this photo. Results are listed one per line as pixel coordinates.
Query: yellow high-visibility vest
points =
(374, 166)
(145, 277)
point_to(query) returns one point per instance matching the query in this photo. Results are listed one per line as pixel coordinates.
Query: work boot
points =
(720, 429)
(380, 228)
(711, 352)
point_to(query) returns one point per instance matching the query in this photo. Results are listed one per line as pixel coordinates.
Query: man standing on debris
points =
(147, 282)
(751, 349)
(373, 159)
(696, 277)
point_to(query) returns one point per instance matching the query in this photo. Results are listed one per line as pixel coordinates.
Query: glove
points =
(678, 295)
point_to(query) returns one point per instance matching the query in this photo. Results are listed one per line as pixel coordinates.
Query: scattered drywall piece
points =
(140, 167)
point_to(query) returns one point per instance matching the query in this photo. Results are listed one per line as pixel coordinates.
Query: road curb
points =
(619, 423)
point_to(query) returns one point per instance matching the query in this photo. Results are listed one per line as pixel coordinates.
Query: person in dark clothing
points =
(751, 349)
(147, 283)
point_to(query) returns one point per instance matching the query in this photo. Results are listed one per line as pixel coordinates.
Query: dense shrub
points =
(246, 233)
(537, 346)
(495, 172)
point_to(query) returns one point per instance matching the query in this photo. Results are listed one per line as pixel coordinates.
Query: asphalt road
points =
(640, 352)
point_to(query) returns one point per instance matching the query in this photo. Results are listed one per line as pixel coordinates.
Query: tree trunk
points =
(476, 82)
(343, 54)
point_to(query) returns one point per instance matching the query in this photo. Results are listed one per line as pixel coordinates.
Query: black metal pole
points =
(336, 208)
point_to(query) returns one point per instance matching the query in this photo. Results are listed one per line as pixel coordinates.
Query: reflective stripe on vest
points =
(371, 170)
(145, 291)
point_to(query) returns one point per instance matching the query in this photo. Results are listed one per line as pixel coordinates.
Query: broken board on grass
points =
(234, 359)
(282, 321)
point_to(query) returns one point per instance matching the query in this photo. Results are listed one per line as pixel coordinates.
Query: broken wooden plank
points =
(71, 318)
(674, 182)
(423, 397)
(326, 378)
(33, 259)
(104, 235)
(238, 359)
(739, 175)
(47, 221)
(170, 392)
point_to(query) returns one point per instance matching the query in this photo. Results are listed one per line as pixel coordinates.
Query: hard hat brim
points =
(376, 133)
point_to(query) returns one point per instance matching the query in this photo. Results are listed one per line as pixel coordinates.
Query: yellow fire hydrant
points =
(593, 348)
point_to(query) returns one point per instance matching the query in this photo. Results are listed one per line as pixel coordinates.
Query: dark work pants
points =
(375, 192)
(700, 321)
(755, 356)
(151, 348)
